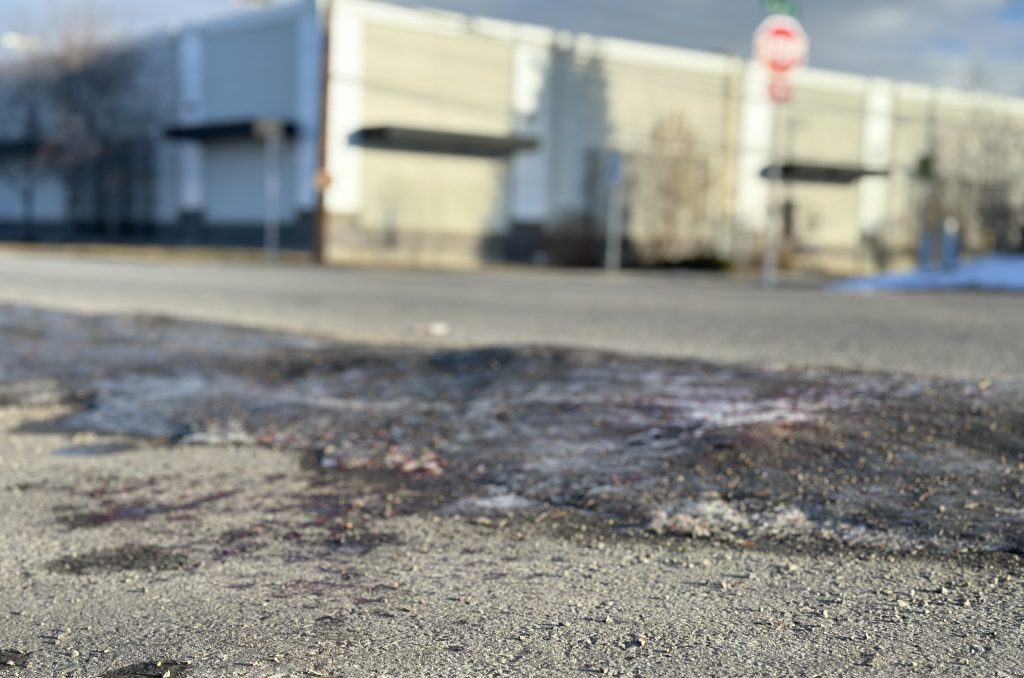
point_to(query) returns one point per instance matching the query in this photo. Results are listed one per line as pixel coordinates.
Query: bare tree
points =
(24, 154)
(980, 181)
(99, 111)
(79, 114)
(670, 197)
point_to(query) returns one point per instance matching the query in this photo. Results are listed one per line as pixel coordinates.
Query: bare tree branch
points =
(672, 180)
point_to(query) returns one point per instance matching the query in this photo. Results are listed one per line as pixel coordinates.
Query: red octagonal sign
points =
(781, 44)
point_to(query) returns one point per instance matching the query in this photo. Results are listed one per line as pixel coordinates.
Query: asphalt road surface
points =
(679, 315)
(192, 500)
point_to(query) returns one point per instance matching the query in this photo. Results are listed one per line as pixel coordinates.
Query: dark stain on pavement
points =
(95, 450)
(113, 512)
(130, 557)
(13, 659)
(152, 669)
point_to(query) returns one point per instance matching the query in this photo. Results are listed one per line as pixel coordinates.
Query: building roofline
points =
(248, 19)
(648, 53)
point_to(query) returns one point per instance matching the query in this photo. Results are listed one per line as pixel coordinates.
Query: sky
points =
(959, 43)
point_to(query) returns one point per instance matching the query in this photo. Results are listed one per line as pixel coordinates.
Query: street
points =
(675, 315)
(342, 493)
(349, 338)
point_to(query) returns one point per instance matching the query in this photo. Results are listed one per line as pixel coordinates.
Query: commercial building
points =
(163, 140)
(423, 137)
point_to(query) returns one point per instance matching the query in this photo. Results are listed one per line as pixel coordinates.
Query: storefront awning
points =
(235, 130)
(822, 174)
(441, 142)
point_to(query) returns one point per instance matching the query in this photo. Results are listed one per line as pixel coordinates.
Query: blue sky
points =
(961, 43)
(126, 15)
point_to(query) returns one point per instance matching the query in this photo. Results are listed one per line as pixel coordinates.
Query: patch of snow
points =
(231, 432)
(703, 518)
(788, 518)
(997, 272)
(150, 406)
(499, 504)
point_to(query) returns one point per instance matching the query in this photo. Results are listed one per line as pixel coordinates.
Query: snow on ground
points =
(997, 272)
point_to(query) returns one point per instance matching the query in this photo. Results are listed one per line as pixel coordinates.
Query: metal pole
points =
(320, 217)
(272, 192)
(614, 226)
(773, 227)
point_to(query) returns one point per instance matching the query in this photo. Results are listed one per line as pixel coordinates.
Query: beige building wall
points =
(910, 143)
(424, 207)
(974, 139)
(978, 148)
(583, 96)
(673, 121)
(823, 125)
(419, 78)
(670, 114)
(639, 96)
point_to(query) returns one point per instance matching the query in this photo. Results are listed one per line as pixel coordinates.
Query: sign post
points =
(779, 7)
(272, 134)
(614, 217)
(780, 46)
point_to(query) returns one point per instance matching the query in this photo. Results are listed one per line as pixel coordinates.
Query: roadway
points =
(963, 335)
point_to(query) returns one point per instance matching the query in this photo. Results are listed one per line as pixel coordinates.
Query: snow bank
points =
(997, 272)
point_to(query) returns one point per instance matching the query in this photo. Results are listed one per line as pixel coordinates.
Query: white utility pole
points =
(776, 199)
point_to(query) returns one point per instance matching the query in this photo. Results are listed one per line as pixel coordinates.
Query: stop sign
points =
(781, 44)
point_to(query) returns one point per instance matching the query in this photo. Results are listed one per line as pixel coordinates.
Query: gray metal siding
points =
(250, 72)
